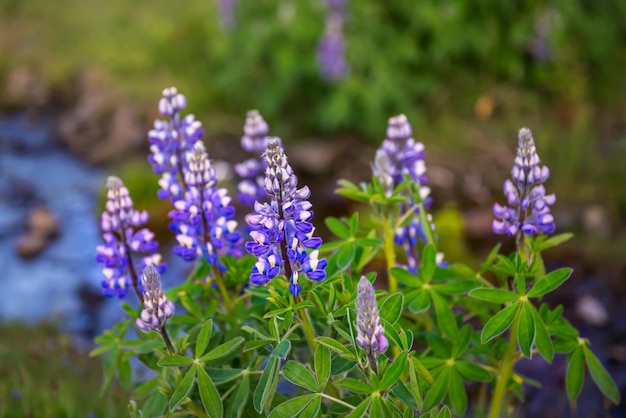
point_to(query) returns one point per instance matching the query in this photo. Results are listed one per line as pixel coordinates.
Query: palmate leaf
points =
(549, 282)
(391, 308)
(392, 374)
(322, 366)
(494, 295)
(575, 373)
(203, 338)
(299, 375)
(443, 314)
(438, 390)
(542, 337)
(183, 388)
(266, 387)
(223, 350)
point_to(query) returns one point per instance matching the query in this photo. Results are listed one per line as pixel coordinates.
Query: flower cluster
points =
(528, 209)
(252, 170)
(170, 139)
(400, 155)
(371, 334)
(331, 48)
(156, 308)
(281, 229)
(204, 216)
(119, 224)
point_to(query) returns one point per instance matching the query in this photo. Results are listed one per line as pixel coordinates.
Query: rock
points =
(592, 311)
(42, 228)
(24, 88)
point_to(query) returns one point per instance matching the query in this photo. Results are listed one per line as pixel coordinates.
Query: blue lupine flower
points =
(371, 334)
(331, 55)
(252, 171)
(528, 209)
(157, 309)
(401, 155)
(204, 216)
(282, 234)
(122, 239)
(170, 139)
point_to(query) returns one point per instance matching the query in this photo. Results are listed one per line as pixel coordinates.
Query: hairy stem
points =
(166, 339)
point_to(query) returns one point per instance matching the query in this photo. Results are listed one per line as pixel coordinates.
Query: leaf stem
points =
(339, 401)
(506, 370)
(167, 340)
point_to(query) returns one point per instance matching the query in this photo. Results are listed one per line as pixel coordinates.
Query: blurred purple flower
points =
(282, 234)
(331, 49)
(226, 10)
(119, 225)
(528, 208)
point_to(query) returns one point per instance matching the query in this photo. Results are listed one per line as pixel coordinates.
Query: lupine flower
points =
(252, 170)
(371, 334)
(402, 155)
(226, 9)
(156, 308)
(528, 209)
(204, 217)
(331, 48)
(122, 238)
(282, 234)
(170, 139)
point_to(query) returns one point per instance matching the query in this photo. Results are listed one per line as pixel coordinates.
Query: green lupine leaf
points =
(575, 374)
(472, 371)
(422, 371)
(445, 412)
(555, 240)
(391, 308)
(312, 409)
(219, 375)
(444, 316)
(183, 388)
(376, 409)
(360, 410)
(402, 392)
(456, 393)
(459, 346)
(438, 390)
(282, 349)
(354, 385)
(542, 337)
(505, 265)
(345, 255)
(292, 407)
(405, 277)
(240, 400)
(494, 295)
(601, 377)
(266, 387)
(549, 282)
(203, 338)
(499, 323)
(420, 302)
(456, 287)
(338, 228)
(175, 361)
(337, 347)
(354, 223)
(414, 386)
(192, 306)
(392, 374)
(322, 366)
(223, 350)
(429, 262)
(299, 375)
(254, 344)
(209, 395)
(526, 330)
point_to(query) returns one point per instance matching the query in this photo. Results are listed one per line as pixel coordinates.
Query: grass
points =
(45, 373)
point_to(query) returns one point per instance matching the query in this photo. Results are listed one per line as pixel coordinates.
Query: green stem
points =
(390, 254)
(166, 340)
(223, 291)
(339, 401)
(506, 370)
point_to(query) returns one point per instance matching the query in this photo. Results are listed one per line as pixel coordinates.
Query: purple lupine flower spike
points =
(528, 206)
(157, 309)
(170, 139)
(252, 170)
(204, 216)
(402, 155)
(282, 234)
(123, 236)
(331, 55)
(371, 334)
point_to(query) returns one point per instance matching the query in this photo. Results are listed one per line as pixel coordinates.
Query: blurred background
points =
(79, 85)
